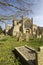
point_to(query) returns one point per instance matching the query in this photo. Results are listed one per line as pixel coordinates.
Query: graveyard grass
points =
(7, 45)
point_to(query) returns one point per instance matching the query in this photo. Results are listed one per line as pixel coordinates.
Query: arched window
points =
(27, 24)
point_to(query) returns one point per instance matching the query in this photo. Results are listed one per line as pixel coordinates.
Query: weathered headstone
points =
(31, 56)
(20, 37)
(27, 35)
(26, 55)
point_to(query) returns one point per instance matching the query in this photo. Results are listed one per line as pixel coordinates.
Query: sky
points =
(37, 11)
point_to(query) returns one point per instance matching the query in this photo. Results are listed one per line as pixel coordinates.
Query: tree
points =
(24, 8)
(0, 30)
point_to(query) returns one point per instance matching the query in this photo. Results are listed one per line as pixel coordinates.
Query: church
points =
(22, 26)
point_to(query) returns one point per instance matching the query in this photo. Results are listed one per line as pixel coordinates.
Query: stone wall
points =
(39, 56)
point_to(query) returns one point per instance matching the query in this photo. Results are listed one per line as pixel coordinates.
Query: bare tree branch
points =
(21, 9)
(24, 2)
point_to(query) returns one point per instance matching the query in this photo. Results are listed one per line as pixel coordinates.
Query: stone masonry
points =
(39, 56)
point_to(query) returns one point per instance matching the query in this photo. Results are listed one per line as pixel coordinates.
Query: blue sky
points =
(37, 9)
(38, 13)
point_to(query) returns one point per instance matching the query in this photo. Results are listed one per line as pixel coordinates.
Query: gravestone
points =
(26, 55)
(21, 37)
(27, 35)
(29, 55)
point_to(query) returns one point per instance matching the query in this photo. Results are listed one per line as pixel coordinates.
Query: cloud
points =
(38, 20)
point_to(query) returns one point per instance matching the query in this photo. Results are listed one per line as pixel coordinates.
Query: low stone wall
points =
(39, 56)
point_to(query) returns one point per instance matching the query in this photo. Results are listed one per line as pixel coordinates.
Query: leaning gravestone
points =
(17, 34)
(20, 37)
(26, 55)
(30, 56)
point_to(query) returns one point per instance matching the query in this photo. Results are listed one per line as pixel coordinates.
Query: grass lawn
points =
(8, 43)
